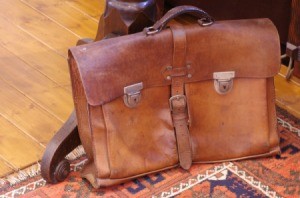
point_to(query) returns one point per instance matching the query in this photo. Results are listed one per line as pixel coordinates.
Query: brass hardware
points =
(151, 30)
(169, 72)
(169, 67)
(206, 22)
(132, 95)
(223, 81)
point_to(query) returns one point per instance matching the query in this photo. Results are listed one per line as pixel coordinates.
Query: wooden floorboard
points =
(34, 53)
(40, 89)
(288, 93)
(93, 8)
(72, 19)
(17, 148)
(26, 115)
(4, 168)
(35, 93)
(42, 28)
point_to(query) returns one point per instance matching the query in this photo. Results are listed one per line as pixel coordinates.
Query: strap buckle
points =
(177, 103)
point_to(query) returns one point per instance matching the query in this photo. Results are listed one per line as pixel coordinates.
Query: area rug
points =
(278, 176)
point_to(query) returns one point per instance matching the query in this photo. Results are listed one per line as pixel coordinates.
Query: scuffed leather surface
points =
(140, 139)
(99, 143)
(248, 47)
(228, 126)
(124, 143)
(80, 102)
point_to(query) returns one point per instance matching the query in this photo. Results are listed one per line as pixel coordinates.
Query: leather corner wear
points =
(167, 97)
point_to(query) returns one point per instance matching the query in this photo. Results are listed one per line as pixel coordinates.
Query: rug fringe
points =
(76, 153)
(288, 126)
(24, 174)
(37, 184)
(35, 169)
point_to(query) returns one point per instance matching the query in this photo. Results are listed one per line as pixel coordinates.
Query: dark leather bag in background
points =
(170, 97)
(279, 11)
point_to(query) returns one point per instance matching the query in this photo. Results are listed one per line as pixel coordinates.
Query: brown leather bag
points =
(166, 97)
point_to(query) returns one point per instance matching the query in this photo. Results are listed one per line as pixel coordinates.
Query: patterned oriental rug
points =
(268, 177)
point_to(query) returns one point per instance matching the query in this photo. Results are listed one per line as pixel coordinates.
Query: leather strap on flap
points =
(178, 100)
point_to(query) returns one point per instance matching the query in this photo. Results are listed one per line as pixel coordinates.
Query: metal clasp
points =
(132, 95)
(206, 22)
(151, 30)
(223, 81)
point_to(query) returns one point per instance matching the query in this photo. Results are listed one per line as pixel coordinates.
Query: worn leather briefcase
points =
(168, 97)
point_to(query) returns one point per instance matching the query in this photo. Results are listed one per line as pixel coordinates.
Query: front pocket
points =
(229, 126)
(140, 139)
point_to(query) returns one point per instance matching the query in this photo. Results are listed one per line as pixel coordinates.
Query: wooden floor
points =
(288, 93)
(35, 94)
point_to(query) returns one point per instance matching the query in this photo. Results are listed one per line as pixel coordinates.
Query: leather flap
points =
(249, 47)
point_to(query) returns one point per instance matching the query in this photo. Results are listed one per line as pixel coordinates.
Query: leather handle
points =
(204, 18)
